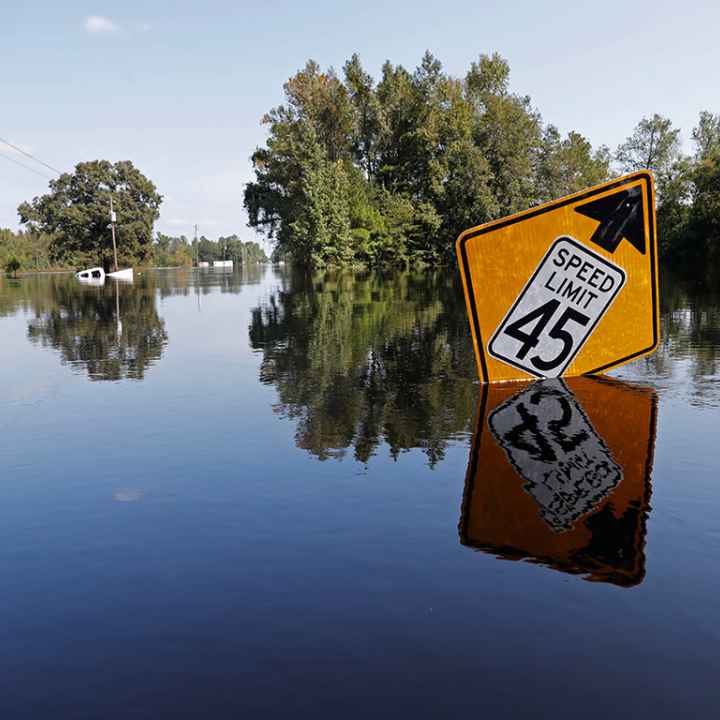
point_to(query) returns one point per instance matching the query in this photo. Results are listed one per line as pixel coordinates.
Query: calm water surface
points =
(264, 494)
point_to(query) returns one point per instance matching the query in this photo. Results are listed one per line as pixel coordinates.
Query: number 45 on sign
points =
(566, 288)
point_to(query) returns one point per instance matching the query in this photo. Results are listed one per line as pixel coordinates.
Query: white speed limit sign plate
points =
(557, 310)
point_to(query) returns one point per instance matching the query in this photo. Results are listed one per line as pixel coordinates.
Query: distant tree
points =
(704, 213)
(242, 253)
(488, 77)
(12, 266)
(707, 136)
(654, 145)
(31, 249)
(208, 251)
(172, 251)
(688, 205)
(569, 164)
(508, 133)
(76, 213)
(673, 210)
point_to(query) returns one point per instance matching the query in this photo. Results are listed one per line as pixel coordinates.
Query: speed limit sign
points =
(567, 288)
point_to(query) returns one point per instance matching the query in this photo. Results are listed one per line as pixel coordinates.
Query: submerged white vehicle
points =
(122, 274)
(95, 276)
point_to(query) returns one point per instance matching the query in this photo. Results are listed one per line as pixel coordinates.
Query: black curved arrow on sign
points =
(620, 216)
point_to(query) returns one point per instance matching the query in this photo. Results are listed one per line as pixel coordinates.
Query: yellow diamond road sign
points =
(565, 288)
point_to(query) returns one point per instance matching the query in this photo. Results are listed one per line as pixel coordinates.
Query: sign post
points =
(566, 288)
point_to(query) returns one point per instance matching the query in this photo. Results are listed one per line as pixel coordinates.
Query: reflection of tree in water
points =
(33, 293)
(186, 281)
(690, 337)
(82, 323)
(360, 359)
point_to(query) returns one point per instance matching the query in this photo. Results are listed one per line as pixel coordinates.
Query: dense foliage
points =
(24, 251)
(76, 213)
(30, 251)
(355, 170)
(174, 251)
(688, 188)
(388, 171)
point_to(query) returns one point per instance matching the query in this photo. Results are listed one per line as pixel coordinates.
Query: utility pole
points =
(112, 228)
(197, 249)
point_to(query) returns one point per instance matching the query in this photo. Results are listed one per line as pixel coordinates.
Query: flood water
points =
(268, 494)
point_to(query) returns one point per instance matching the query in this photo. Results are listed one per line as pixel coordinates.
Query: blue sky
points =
(179, 87)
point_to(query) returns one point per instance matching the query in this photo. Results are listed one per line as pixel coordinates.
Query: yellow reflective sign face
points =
(566, 288)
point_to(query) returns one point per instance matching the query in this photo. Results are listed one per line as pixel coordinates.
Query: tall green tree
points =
(76, 212)
(508, 133)
(703, 224)
(367, 116)
(688, 207)
(706, 136)
(654, 145)
(393, 171)
(569, 164)
(673, 210)
(321, 231)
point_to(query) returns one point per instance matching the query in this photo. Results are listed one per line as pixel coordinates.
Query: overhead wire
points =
(30, 155)
(27, 167)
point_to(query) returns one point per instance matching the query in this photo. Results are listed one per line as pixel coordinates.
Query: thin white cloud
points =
(99, 24)
(144, 27)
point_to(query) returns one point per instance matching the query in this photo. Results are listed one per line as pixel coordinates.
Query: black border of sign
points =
(462, 241)
(572, 241)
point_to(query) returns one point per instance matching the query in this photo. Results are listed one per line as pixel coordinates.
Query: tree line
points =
(179, 251)
(356, 170)
(68, 227)
(30, 251)
(386, 172)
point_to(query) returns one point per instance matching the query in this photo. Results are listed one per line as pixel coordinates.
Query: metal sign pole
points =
(112, 229)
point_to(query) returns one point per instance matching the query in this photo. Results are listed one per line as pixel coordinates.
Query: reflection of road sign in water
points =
(567, 288)
(555, 449)
(559, 473)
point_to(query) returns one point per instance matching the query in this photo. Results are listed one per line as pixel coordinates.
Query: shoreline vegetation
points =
(390, 172)
(363, 173)
(24, 253)
(67, 228)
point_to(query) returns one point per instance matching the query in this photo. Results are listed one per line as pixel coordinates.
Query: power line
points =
(32, 157)
(27, 167)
